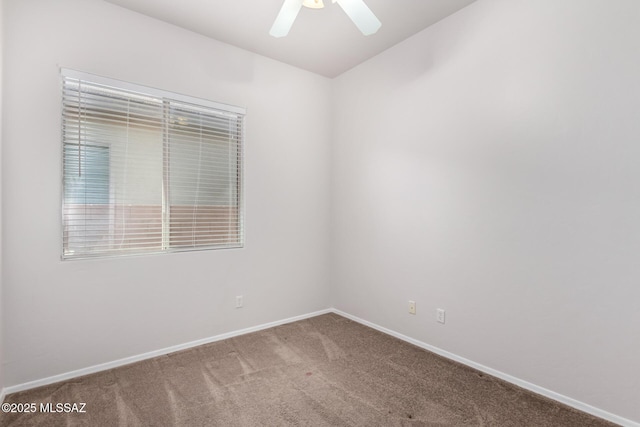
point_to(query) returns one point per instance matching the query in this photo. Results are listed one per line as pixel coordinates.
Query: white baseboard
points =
(3, 393)
(506, 377)
(151, 354)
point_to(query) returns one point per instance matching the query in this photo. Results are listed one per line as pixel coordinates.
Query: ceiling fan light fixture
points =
(313, 4)
(356, 10)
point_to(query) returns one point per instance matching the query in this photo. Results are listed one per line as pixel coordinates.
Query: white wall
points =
(61, 316)
(1, 241)
(489, 166)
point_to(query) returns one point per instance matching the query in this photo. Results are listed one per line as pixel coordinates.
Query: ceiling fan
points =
(356, 10)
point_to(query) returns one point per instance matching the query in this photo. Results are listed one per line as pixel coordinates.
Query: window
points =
(147, 171)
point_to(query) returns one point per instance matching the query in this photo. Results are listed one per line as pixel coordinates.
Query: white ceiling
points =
(323, 41)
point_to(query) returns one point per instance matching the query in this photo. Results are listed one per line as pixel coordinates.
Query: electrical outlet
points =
(440, 315)
(412, 307)
(239, 301)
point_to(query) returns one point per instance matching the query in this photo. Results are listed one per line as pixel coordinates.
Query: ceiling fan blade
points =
(285, 18)
(361, 15)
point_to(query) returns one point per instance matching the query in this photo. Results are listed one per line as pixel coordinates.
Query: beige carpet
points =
(324, 371)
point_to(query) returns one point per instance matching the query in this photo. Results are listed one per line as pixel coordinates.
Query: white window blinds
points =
(147, 171)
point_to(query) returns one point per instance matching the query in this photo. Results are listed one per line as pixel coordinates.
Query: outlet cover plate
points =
(412, 307)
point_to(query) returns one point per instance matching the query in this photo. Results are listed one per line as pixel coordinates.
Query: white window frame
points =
(220, 109)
